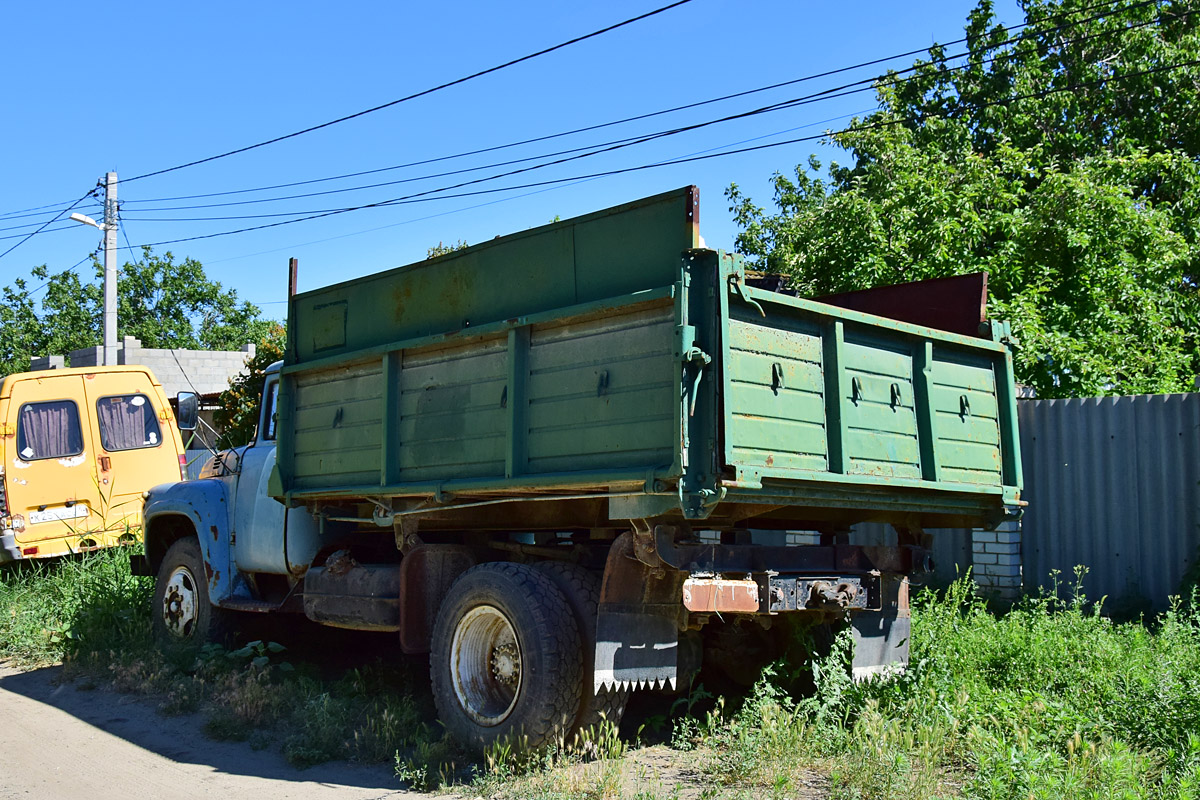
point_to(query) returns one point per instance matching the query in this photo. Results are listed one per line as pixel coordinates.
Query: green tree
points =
(1062, 160)
(237, 414)
(162, 302)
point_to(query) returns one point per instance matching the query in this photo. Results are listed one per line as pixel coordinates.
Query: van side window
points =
(127, 422)
(49, 430)
(269, 403)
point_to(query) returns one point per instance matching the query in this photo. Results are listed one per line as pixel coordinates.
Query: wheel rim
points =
(179, 603)
(485, 665)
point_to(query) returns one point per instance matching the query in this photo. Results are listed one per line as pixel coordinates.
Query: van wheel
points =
(505, 665)
(182, 613)
(582, 590)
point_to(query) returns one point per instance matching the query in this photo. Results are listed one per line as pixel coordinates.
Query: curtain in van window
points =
(49, 430)
(127, 422)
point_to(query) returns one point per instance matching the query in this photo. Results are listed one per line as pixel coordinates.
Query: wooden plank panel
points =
(794, 345)
(621, 436)
(760, 401)
(779, 435)
(760, 369)
(976, 375)
(774, 460)
(948, 400)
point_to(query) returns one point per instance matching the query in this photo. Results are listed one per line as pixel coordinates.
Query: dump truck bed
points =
(606, 368)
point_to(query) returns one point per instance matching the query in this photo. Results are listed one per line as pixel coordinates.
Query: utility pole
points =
(110, 269)
(109, 226)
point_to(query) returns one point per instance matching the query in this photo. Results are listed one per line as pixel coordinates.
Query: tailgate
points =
(812, 392)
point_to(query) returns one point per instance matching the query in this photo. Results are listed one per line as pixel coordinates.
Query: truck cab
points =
(231, 496)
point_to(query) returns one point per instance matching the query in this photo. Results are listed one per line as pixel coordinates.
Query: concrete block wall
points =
(996, 559)
(201, 371)
(39, 363)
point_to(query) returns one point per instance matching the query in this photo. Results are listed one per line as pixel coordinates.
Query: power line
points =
(422, 93)
(884, 123)
(13, 214)
(840, 91)
(503, 199)
(40, 213)
(56, 216)
(67, 271)
(844, 90)
(25, 225)
(1009, 29)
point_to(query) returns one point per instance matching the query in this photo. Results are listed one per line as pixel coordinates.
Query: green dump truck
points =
(587, 458)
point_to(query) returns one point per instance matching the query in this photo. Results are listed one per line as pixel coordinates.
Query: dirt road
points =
(59, 742)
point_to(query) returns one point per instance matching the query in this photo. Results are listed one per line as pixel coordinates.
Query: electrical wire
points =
(893, 78)
(884, 123)
(872, 62)
(840, 91)
(844, 90)
(15, 215)
(422, 93)
(90, 193)
(66, 271)
(506, 199)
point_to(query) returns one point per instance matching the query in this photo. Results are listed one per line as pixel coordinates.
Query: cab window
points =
(270, 401)
(127, 422)
(49, 430)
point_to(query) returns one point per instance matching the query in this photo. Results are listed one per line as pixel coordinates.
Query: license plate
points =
(77, 511)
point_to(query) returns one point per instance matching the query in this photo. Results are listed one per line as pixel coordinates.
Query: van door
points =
(134, 443)
(48, 460)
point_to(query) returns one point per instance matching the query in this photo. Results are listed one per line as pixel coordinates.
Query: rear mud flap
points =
(635, 651)
(881, 637)
(637, 624)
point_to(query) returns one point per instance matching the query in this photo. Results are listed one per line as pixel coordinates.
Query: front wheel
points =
(505, 665)
(182, 613)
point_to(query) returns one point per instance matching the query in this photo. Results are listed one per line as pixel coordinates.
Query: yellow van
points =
(77, 449)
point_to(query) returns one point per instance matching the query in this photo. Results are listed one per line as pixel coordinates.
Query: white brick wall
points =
(996, 559)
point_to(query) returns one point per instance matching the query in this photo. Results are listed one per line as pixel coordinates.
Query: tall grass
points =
(1049, 701)
(73, 607)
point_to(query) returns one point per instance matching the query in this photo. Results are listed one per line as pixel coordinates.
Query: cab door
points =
(134, 447)
(48, 459)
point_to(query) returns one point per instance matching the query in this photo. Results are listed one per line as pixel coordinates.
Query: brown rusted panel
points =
(957, 304)
(426, 574)
(720, 595)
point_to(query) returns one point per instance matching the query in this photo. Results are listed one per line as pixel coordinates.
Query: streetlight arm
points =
(86, 220)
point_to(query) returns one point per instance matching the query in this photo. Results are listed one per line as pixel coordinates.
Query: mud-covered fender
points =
(204, 506)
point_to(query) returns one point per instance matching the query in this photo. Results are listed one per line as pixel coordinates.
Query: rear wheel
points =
(505, 665)
(582, 590)
(183, 614)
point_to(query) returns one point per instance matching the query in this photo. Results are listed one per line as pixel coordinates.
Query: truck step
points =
(246, 604)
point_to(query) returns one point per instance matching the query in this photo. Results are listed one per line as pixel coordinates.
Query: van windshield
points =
(49, 430)
(127, 422)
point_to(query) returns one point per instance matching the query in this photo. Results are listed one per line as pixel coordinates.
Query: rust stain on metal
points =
(770, 460)
(903, 610)
(216, 534)
(720, 595)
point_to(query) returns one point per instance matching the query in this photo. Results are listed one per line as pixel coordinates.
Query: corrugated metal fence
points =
(1113, 484)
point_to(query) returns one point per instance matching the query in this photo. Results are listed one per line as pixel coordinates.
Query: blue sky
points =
(137, 87)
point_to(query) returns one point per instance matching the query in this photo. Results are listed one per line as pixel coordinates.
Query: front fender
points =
(204, 507)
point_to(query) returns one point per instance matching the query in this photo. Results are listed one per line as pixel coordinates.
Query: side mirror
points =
(187, 410)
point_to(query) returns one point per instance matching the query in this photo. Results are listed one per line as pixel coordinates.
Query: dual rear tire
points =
(506, 664)
(513, 649)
